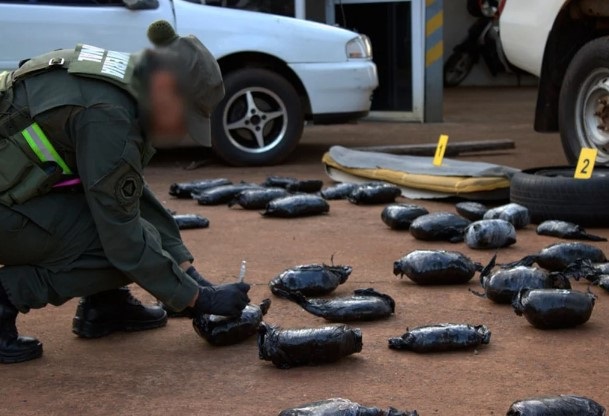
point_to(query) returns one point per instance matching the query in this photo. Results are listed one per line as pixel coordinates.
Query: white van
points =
(566, 44)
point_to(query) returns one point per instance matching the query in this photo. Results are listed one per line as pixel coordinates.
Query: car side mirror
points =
(141, 4)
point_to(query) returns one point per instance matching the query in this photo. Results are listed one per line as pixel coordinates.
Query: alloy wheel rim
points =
(592, 114)
(255, 120)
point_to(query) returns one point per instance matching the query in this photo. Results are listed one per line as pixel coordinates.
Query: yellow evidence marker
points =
(437, 159)
(585, 163)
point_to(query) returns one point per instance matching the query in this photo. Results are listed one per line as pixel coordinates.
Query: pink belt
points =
(67, 182)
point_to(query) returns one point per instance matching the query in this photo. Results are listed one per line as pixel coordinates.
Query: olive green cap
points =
(202, 73)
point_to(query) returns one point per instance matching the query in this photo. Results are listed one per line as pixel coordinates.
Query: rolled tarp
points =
(417, 176)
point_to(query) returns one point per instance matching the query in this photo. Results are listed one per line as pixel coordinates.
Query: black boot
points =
(14, 348)
(115, 310)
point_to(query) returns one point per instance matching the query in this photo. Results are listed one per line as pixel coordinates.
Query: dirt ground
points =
(173, 371)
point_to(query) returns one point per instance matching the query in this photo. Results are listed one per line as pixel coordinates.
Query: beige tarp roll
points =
(418, 177)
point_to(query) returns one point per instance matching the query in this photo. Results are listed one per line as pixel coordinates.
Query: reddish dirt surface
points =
(172, 371)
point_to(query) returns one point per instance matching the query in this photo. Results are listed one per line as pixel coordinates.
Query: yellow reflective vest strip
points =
(42, 147)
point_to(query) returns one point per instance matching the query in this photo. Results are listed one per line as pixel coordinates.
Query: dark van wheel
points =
(584, 102)
(552, 193)
(259, 121)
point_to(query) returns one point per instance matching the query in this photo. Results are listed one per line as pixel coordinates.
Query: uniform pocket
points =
(14, 164)
(20, 178)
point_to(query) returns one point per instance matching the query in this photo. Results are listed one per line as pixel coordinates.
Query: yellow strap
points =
(42, 147)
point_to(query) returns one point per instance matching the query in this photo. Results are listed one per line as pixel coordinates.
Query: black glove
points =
(192, 272)
(196, 276)
(227, 299)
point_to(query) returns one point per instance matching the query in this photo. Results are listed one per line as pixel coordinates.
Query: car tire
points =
(259, 121)
(552, 193)
(457, 67)
(583, 107)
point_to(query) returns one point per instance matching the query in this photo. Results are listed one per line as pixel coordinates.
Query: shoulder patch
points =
(129, 188)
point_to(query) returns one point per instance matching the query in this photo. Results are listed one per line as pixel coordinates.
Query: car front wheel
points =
(584, 102)
(259, 121)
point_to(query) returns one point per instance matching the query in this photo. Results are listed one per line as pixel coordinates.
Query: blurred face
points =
(167, 109)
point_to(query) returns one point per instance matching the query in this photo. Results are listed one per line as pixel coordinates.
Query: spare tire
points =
(552, 193)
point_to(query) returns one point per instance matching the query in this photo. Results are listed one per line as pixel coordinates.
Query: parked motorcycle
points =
(482, 40)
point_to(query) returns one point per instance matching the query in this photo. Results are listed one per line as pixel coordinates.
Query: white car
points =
(279, 72)
(566, 44)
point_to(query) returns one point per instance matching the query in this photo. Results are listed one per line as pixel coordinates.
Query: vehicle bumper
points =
(334, 88)
(524, 27)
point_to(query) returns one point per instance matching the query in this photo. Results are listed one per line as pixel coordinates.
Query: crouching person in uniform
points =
(76, 217)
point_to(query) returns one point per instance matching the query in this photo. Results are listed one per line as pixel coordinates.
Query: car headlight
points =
(359, 48)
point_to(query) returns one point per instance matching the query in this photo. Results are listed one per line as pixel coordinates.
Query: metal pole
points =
(434, 60)
(300, 11)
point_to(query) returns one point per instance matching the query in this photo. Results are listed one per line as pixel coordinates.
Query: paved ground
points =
(173, 371)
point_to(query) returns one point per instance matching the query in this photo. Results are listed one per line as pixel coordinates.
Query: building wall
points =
(316, 11)
(456, 23)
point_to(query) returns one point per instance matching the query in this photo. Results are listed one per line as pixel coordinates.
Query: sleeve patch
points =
(128, 189)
